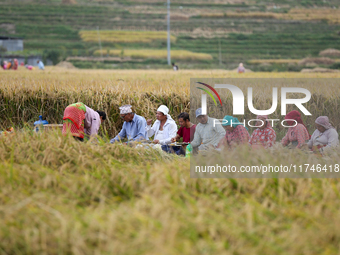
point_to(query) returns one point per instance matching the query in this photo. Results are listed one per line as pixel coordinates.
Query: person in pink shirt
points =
(4, 65)
(93, 120)
(264, 136)
(29, 67)
(236, 133)
(187, 129)
(297, 135)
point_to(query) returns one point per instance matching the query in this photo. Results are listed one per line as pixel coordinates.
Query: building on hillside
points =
(11, 43)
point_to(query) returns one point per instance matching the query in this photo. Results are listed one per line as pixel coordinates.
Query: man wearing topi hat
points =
(134, 126)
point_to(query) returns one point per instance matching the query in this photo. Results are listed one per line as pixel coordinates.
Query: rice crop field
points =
(274, 61)
(118, 36)
(156, 54)
(60, 196)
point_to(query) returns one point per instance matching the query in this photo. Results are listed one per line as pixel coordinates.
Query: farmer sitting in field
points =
(80, 120)
(296, 135)
(187, 129)
(164, 127)
(236, 133)
(325, 137)
(264, 136)
(207, 134)
(134, 127)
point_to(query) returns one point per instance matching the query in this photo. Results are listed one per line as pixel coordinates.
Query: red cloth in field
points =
(187, 133)
(77, 116)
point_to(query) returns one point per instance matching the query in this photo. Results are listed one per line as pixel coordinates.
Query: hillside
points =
(229, 31)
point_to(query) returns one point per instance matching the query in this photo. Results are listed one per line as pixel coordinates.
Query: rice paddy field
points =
(156, 54)
(60, 196)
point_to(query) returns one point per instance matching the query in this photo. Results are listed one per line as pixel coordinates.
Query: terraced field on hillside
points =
(245, 30)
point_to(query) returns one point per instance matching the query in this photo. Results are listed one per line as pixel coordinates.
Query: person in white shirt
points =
(209, 132)
(175, 67)
(41, 65)
(164, 127)
(325, 138)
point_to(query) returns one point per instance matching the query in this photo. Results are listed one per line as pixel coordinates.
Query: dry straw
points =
(26, 95)
(60, 196)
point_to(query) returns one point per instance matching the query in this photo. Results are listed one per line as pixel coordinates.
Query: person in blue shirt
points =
(41, 65)
(134, 127)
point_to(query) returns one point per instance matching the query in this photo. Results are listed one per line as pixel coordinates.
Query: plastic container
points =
(188, 151)
(39, 123)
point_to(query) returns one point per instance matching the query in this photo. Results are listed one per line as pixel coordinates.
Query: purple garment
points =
(241, 69)
(92, 122)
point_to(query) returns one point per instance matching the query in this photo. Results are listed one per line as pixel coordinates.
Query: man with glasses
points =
(134, 127)
(207, 134)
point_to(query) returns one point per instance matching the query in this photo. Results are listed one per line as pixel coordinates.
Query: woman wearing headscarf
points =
(324, 137)
(164, 127)
(297, 135)
(263, 136)
(236, 133)
(80, 119)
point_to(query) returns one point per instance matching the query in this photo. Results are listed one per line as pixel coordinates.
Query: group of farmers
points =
(14, 64)
(82, 121)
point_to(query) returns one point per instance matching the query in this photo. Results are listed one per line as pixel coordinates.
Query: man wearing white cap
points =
(134, 126)
(164, 127)
(207, 134)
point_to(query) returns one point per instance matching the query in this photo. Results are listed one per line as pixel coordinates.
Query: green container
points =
(188, 151)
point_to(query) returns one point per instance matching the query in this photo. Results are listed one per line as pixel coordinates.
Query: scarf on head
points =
(324, 121)
(165, 111)
(230, 119)
(295, 115)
